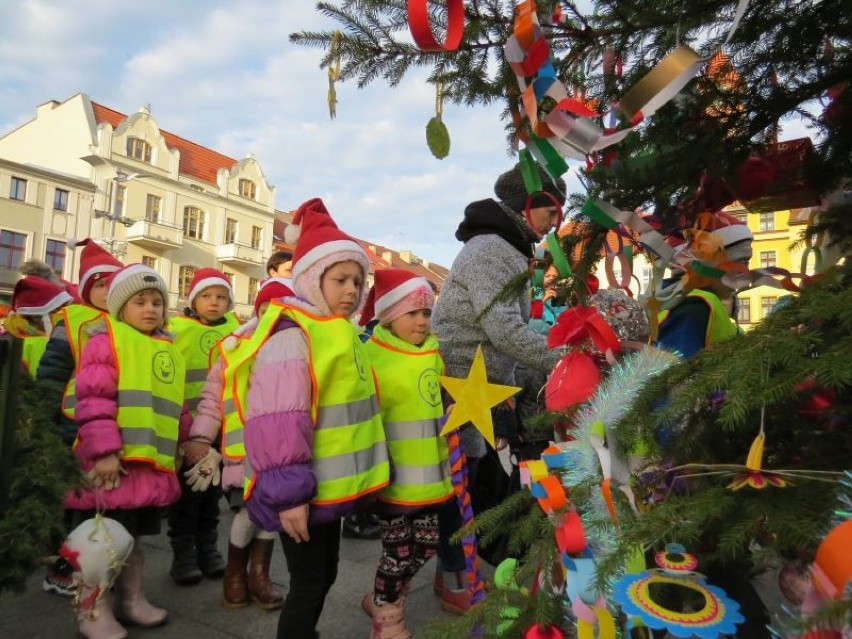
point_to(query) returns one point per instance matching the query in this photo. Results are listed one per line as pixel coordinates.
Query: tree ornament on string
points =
(333, 73)
(537, 631)
(437, 135)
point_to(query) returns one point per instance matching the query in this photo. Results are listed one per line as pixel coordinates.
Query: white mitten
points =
(205, 472)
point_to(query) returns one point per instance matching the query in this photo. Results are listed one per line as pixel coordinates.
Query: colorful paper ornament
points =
(475, 396)
(421, 29)
(675, 560)
(718, 615)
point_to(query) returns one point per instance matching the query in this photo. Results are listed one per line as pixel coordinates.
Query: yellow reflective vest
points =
(233, 420)
(720, 326)
(151, 374)
(75, 316)
(33, 348)
(410, 402)
(349, 456)
(197, 343)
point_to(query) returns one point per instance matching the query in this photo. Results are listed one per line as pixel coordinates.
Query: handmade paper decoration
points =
(421, 28)
(676, 561)
(437, 135)
(475, 397)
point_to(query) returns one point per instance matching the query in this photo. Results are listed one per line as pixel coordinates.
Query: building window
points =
(138, 149)
(767, 259)
(150, 261)
(120, 197)
(247, 189)
(743, 310)
(193, 222)
(54, 255)
(252, 289)
(60, 200)
(152, 208)
(230, 231)
(230, 277)
(13, 248)
(185, 275)
(767, 222)
(256, 236)
(19, 189)
(766, 305)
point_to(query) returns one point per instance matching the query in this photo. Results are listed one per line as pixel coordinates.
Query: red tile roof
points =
(195, 160)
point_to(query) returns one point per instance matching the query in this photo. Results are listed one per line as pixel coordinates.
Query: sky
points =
(223, 74)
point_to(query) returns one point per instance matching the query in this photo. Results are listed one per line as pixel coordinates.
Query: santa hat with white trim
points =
(395, 293)
(729, 229)
(35, 296)
(205, 278)
(96, 263)
(319, 241)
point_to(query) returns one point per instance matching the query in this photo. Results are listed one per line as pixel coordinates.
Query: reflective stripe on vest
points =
(233, 421)
(411, 409)
(197, 343)
(350, 456)
(32, 351)
(150, 395)
(75, 316)
(720, 326)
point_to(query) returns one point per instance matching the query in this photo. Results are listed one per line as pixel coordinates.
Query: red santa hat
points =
(319, 241)
(271, 289)
(95, 264)
(395, 293)
(729, 228)
(35, 295)
(205, 278)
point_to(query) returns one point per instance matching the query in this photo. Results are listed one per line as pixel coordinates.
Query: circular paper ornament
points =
(537, 631)
(572, 381)
(718, 615)
(675, 560)
(438, 138)
(421, 29)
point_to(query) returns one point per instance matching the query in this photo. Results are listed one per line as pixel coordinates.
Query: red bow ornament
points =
(576, 376)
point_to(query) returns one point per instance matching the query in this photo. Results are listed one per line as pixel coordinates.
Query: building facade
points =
(152, 196)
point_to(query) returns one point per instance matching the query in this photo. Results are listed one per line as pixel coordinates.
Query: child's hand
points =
(295, 523)
(194, 451)
(107, 472)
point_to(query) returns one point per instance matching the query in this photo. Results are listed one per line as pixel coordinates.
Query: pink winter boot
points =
(388, 619)
(94, 617)
(135, 609)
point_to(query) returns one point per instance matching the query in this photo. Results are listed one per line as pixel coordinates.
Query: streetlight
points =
(119, 249)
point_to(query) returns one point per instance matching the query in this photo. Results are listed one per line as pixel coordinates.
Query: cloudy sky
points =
(223, 74)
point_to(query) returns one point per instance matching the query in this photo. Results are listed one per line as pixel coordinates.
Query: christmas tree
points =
(770, 406)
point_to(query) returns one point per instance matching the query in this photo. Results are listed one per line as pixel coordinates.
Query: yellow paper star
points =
(474, 398)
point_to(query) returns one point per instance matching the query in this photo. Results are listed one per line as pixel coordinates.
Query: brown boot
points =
(263, 594)
(235, 582)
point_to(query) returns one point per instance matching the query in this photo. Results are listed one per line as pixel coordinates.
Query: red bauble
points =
(817, 401)
(543, 632)
(794, 582)
(754, 177)
(593, 284)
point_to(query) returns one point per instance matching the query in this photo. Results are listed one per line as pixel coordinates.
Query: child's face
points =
(413, 327)
(145, 311)
(98, 294)
(211, 303)
(341, 287)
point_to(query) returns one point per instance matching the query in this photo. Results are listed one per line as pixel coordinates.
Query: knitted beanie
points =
(511, 190)
(205, 278)
(131, 280)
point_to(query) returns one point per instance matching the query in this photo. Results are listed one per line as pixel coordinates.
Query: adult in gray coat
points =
(474, 309)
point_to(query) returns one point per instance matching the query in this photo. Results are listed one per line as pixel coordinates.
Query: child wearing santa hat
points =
(406, 363)
(34, 302)
(703, 315)
(130, 393)
(194, 519)
(58, 365)
(249, 547)
(313, 433)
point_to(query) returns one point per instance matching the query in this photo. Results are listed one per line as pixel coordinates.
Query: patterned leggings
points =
(408, 542)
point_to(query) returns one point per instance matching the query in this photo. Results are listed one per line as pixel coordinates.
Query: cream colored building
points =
(150, 196)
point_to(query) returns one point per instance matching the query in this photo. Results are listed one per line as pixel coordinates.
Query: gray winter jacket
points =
(491, 258)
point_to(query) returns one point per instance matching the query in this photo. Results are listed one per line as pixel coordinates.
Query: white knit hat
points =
(129, 281)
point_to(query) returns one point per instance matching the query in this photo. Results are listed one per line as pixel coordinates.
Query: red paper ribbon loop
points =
(421, 29)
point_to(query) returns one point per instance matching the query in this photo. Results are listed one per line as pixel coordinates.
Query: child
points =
(34, 300)
(313, 434)
(249, 548)
(406, 363)
(194, 519)
(130, 390)
(61, 357)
